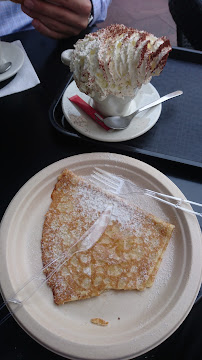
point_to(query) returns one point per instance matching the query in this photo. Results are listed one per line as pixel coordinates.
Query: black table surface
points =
(29, 143)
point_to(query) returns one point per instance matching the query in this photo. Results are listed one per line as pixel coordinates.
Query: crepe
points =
(127, 255)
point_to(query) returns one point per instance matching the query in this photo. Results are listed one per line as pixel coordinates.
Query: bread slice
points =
(127, 255)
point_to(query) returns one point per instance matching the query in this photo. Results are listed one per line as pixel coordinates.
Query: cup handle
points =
(66, 57)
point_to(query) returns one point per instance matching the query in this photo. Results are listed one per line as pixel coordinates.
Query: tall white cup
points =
(113, 105)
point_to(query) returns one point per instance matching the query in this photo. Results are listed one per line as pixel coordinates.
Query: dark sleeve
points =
(187, 15)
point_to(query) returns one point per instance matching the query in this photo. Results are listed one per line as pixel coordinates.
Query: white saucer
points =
(86, 126)
(14, 54)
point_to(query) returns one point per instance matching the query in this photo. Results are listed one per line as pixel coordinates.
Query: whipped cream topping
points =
(116, 60)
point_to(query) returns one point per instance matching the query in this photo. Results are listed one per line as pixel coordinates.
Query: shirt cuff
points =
(100, 8)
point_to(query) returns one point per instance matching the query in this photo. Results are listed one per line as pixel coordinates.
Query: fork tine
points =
(106, 180)
(116, 179)
(96, 179)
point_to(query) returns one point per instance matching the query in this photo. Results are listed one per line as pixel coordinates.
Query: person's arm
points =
(64, 18)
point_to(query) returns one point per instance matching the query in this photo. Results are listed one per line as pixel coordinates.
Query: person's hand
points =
(58, 18)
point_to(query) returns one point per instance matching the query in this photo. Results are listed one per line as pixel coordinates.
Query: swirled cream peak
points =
(116, 60)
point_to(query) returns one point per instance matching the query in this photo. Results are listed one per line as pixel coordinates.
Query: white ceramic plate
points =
(86, 126)
(138, 321)
(13, 53)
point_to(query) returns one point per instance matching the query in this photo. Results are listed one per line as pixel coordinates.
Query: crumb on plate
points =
(100, 322)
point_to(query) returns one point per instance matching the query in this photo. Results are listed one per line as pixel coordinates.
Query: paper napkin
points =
(89, 110)
(26, 77)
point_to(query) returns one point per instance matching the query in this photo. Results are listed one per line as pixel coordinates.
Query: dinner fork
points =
(123, 187)
(86, 242)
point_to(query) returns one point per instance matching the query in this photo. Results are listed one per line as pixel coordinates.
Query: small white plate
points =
(86, 126)
(138, 321)
(12, 53)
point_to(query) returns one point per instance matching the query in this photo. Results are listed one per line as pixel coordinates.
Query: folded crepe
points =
(127, 255)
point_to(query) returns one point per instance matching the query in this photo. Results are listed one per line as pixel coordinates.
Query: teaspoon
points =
(4, 67)
(122, 122)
